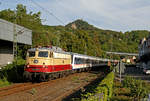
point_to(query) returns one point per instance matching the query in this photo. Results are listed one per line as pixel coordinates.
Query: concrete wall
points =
(24, 35)
(6, 52)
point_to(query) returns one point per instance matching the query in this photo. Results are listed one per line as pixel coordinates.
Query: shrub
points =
(117, 84)
(4, 82)
(13, 72)
(121, 98)
(121, 91)
(104, 90)
(128, 81)
(138, 88)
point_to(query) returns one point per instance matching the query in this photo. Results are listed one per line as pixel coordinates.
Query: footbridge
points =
(122, 53)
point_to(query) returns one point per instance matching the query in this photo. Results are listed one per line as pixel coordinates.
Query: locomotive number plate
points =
(35, 69)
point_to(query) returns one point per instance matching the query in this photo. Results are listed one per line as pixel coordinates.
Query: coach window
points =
(43, 54)
(76, 60)
(80, 61)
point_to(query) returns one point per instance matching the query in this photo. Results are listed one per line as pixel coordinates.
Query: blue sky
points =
(118, 15)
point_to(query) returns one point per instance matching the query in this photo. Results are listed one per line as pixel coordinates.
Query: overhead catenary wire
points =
(50, 13)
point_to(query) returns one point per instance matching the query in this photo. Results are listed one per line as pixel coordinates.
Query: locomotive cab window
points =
(31, 53)
(43, 54)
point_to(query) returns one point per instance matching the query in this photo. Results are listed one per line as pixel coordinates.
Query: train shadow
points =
(90, 88)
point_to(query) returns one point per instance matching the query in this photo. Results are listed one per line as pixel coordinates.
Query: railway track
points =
(57, 96)
(54, 90)
(64, 94)
(16, 88)
(64, 91)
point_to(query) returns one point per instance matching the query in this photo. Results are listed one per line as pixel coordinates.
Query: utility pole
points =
(111, 46)
(85, 49)
(120, 67)
(15, 46)
(15, 34)
(14, 41)
(58, 38)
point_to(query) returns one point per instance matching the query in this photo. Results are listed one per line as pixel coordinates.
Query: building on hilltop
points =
(7, 30)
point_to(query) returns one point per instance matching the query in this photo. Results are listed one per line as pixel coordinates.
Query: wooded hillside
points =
(77, 36)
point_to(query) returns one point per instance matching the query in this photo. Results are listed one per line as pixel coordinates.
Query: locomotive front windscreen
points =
(43, 54)
(31, 53)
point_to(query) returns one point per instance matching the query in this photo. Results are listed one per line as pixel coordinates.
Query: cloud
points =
(115, 14)
(119, 15)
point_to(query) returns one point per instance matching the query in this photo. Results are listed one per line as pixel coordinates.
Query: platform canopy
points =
(7, 30)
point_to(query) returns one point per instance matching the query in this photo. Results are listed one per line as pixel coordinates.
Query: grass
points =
(33, 91)
(4, 82)
(121, 98)
(86, 79)
(92, 75)
(76, 79)
(121, 93)
(129, 89)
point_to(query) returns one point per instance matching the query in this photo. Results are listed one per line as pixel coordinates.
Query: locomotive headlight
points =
(27, 65)
(44, 65)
